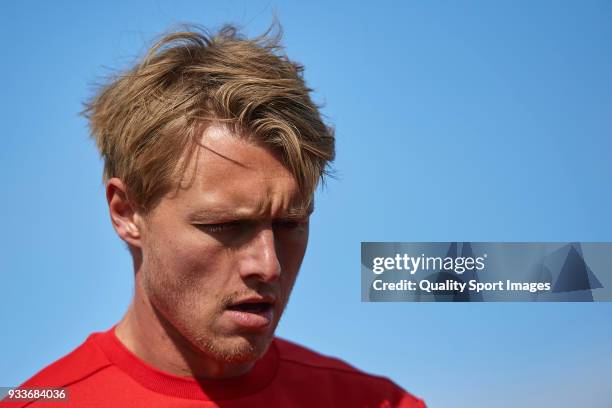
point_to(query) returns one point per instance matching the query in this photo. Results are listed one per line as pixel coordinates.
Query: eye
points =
(220, 227)
(290, 224)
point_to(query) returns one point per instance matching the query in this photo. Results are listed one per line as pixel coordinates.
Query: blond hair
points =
(144, 120)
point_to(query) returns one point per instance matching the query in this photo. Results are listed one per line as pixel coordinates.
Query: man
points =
(212, 152)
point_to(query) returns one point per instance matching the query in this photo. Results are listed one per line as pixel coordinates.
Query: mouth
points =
(251, 307)
(252, 314)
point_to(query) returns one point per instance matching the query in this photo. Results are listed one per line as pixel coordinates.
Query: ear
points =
(123, 214)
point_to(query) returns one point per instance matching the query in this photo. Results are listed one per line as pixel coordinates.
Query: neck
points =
(153, 339)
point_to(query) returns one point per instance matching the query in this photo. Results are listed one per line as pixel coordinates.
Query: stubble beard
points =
(236, 347)
(202, 339)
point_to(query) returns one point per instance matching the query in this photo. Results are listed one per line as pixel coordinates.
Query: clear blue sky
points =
(456, 121)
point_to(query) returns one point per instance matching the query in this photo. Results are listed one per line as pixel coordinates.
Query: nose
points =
(261, 261)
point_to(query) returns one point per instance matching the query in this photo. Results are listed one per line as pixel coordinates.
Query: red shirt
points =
(102, 372)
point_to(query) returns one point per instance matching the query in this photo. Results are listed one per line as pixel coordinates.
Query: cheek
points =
(291, 253)
(179, 276)
(291, 247)
(184, 255)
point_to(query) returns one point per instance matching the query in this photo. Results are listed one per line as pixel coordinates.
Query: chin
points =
(237, 348)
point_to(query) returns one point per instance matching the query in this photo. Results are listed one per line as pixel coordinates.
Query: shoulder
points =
(293, 353)
(80, 363)
(76, 366)
(332, 372)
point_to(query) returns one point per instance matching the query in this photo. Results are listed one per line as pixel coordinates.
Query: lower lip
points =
(252, 321)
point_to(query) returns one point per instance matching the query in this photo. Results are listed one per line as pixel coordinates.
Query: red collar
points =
(159, 381)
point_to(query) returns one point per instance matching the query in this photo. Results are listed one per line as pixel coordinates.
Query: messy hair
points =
(146, 120)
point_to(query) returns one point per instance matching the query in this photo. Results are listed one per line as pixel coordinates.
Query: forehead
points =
(229, 173)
